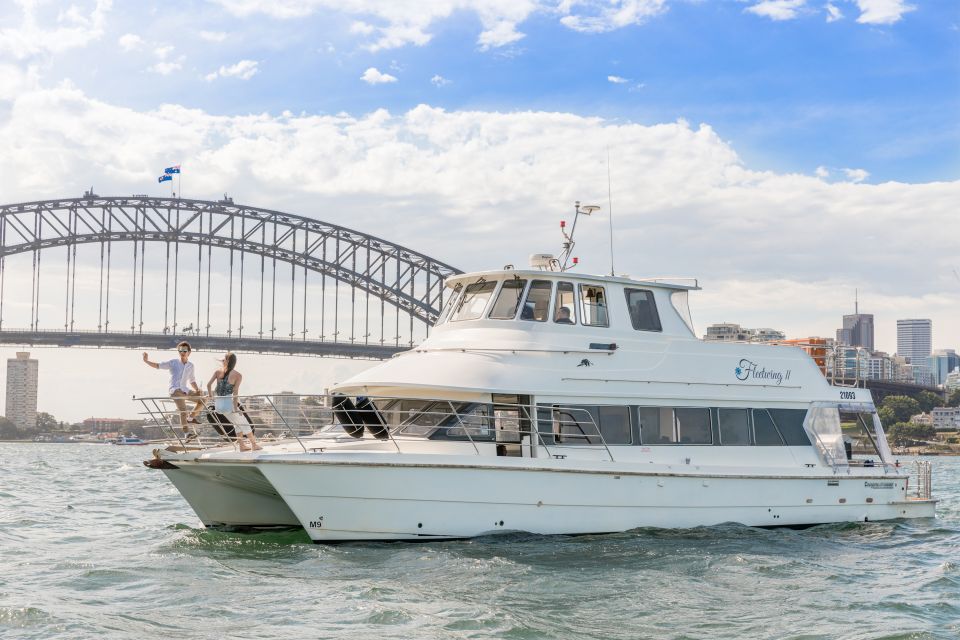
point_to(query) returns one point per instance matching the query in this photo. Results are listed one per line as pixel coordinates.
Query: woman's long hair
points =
(231, 363)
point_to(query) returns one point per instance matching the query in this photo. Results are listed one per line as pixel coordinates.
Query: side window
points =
(790, 425)
(693, 426)
(474, 301)
(575, 425)
(508, 300)
(615, 425)
(765, 432)
(656, 425)
(537, 304)
(643, 310)
(593, 306)
(734, 426)
(451, 301)
(473, 423)
(565, 308)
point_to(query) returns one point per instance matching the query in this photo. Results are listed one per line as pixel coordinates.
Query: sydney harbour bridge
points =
(147, 272)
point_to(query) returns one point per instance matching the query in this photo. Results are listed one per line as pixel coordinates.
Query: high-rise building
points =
(914, 339)
(942, 362)
(22, 376)
(857, 329)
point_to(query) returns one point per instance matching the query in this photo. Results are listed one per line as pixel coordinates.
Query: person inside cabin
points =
(226, 400)
(183, 385)
(563, 316)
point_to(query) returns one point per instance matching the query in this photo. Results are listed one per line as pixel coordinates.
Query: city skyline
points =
(755, 145)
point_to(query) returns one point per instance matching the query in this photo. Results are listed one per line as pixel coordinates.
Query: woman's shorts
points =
(223, 404)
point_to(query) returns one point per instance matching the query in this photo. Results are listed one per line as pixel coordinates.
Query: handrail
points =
(291, 422)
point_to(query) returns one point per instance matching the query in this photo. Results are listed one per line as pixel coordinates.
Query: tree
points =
(905, 433)
(928, 401)
(8, 430)
(46, 422)
(954, 399)
(902, 406)
(887, 416)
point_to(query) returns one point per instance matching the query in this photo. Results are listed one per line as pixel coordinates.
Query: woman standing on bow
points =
(226, 400)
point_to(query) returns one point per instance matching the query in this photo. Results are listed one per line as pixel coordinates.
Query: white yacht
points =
(551, 402)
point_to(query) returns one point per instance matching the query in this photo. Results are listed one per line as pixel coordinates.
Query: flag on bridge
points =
(172, 170)
(164, 178)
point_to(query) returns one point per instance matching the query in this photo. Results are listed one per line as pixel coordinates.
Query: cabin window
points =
(537, 304)
(790, 425)
(693, 426)
(734, 426)
(593, 306)
(656, 425)
(565, 311)
(473, 423)
(575, 425)
(580, 425)
(764, 430)
(615, 425)
(508, 300)
(474, 301)
(643, 310)
(451, 301)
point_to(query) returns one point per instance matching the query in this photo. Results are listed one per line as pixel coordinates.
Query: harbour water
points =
(94, 545)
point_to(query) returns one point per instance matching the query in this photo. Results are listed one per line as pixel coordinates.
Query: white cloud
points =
(243, 70)
(163, 52)
(478, 189)
(362, 28)
(73, 29)
(856, 175)
(166, 67)
(130, 42)
(777, 9)
(439, 81)
(607, 15)
(374, 76)
(617, 80)
(882, 11)
(833, 13)
(822, 172)
(213, 36)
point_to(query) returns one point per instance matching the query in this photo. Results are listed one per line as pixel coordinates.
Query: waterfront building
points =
(952, 383)
(924, 419)
(880, 366)
(942, 362)
(732, 332)
(22, 377)
(816, 348)
(945, 418)
(121, 425)
(851, 364)
(289, 413)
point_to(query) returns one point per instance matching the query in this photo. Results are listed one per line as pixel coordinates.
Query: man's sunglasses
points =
(184, 350)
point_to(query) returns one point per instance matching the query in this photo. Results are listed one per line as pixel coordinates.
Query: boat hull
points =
(340, 502)
(230, 495)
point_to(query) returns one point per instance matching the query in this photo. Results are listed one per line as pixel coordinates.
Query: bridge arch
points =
(409, 281)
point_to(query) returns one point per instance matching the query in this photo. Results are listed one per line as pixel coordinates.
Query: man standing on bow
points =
(183, 384)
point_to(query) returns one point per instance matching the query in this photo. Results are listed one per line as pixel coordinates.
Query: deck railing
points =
(919, 480)
(310, 422)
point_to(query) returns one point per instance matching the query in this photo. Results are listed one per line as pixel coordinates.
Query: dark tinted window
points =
(693, 426)
(790, 424)
(656, 425)
(576, 425)
(615, 425)
(508, 300)
(734, 426)
(643, 310)
(537, 305)
(764, 431)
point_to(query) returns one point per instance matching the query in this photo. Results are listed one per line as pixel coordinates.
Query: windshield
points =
(474, 301)
(449, 304)
(455, 419)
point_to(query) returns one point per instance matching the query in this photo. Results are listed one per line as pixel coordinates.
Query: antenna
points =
(568, 242)
(610, 207)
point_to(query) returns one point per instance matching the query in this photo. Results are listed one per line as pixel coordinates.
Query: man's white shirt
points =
(181, 375)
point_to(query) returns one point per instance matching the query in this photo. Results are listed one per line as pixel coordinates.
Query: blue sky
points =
(786, 152)
(792, 94)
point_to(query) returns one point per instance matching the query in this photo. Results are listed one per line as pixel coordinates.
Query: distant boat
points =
(129, 440)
